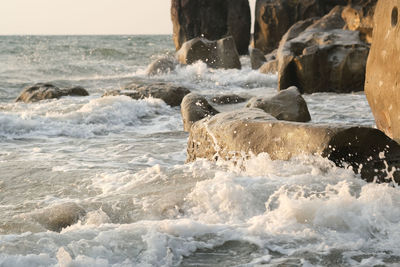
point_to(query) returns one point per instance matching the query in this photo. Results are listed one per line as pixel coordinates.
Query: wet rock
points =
(237, 134)
(170, 93)
(161, 66)
(359, 17)
(269, 67)
(287, 105)
(257, 58)
(216, 54)
(212, 19)
(382, 84)
(228, 99)
(194, 108)
(319, 56)
(60, 216)
(42, 91)
(274, 17)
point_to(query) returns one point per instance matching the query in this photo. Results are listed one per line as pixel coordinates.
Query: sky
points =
(85, 17)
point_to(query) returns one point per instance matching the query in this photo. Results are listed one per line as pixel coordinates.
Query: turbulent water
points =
(118, 166)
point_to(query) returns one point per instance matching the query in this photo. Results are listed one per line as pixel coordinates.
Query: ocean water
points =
(117, 167)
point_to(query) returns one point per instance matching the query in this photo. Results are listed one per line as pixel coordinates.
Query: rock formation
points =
(194, 108)
(287, 105)
(42, 91)
(216, 54)
(232, 135)
(213, 20)
(319, 56)
(170, 93)
(382, 84)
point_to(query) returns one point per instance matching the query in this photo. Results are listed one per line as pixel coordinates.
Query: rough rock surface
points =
(319, 56)
(194, 108)
(216, 54)
(42, 91)
(287, 105)
(161, 66)
(382, 84)
(274, 17)
(237, 134)
(228, 99)
(257, 58)
(212, 19)
(170, 93)
(269, 67)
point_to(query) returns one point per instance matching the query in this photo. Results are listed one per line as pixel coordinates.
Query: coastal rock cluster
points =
(42, 91)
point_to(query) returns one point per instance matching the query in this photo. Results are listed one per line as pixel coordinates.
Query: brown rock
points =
(318, 56)
(382, 84)
(42, 91)
(232, 135)
(170, 93)
(216, 54)
(211, 19)
(269, 67)
(161, 66)
(257, 58)
(194, 108)
(228, 99)
(287, 105)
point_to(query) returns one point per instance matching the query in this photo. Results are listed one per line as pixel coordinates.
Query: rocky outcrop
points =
(42, 91)
(319, 56)
(274, 17)
(161, 66)
(228, 99)
(237, 134)
(170, 93)
(194, 108)
(382, 84)
(211, 19)
(216, 54)
(287, 105)
(257, 58)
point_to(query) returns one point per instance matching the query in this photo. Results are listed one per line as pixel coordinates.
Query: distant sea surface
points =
(117, 166)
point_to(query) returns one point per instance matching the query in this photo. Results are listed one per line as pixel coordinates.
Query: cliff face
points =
(212, 19)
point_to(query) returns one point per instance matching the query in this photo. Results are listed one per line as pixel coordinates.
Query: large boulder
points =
(237, 134)
(212, 19)
(139, 89)
(216, 54)
(319, 56)
(382, 84)
(274, 17)
(287, 105)
(42, 91)
(195, 107)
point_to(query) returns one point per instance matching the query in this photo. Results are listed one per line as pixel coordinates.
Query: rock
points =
(237, 134)
(287, 105)
(161, 66)
(60, 216)
(216, 54)
(269, 67)
(274, 17)
(228, 99)
(42, 91)
(212, 19)
(382, 84)
(193, 108)
(359, 17)
(257, 58)
(170, 93)
(319, 56)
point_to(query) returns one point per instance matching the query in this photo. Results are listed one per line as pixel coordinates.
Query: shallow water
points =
(117, 164)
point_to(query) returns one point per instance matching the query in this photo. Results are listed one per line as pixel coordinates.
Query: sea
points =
(116, 166)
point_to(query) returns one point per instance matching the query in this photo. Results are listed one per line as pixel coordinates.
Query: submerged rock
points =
(287, 105)
(42, 91)
(228, 99)
(382, 84)
(169, 93)
(212, 19)
(194, 108)
(232, 135)
(161, 66)
(60, 216)
(216, 54)
(318, 56)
